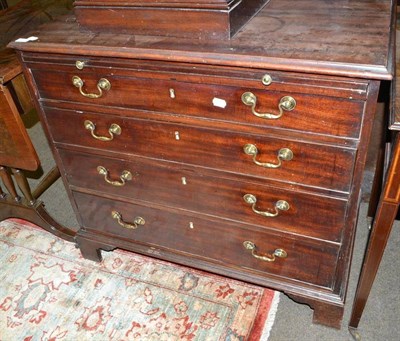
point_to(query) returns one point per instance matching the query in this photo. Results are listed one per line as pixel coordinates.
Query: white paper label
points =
(219, 102)
(25, 40)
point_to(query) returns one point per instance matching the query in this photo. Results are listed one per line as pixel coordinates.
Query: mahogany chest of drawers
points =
(242, 157)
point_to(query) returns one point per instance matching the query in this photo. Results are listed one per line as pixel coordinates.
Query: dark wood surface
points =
(203, 191)
(17, 20)
(319, 101)
(316, 36)
(312, 165)
(193, 19)
(16, 149)
(318, 52)
(9, 66)
(308, 261)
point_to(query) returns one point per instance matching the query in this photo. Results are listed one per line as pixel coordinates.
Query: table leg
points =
(381, 228)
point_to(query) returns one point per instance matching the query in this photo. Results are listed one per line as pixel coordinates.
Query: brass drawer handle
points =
(125, 176)
(283, 154)
(114, 129)
(102, 84)
(138, 221)
(280, 205)
(287, 103)
(267, 258)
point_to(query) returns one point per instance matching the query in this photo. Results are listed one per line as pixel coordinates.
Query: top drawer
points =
(277, 100)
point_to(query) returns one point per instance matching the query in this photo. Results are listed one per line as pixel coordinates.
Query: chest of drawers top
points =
(311, 36)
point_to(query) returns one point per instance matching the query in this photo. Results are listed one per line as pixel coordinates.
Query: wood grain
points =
(333, 37)
(16, 149)
(313, 165)
(337, 112)
(200, 19)
(205, 192)
(310, 262)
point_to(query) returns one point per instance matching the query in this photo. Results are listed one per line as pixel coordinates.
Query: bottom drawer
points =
(307, 260)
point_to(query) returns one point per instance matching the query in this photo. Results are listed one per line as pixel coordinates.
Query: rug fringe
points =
(271, 317)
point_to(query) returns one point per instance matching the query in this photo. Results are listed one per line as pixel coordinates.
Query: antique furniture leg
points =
(325, 314)
(8, 182)
(23, 185)
(28, 208)
(91, 249)
(382, 225)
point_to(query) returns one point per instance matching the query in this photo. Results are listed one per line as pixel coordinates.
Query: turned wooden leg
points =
(23, 185)
(8, 182)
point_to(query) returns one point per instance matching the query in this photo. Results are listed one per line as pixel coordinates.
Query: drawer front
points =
(216, 98)
(311, 165)
(187, 188)
(222, 243)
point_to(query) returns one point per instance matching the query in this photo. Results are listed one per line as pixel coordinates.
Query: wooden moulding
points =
(204, 19)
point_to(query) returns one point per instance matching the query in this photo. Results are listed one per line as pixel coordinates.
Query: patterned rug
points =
(49, 292)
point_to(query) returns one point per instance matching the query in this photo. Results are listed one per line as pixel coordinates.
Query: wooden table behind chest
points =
(218, 155)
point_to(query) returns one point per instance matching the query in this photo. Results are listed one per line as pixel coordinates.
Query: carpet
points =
(49, 292)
